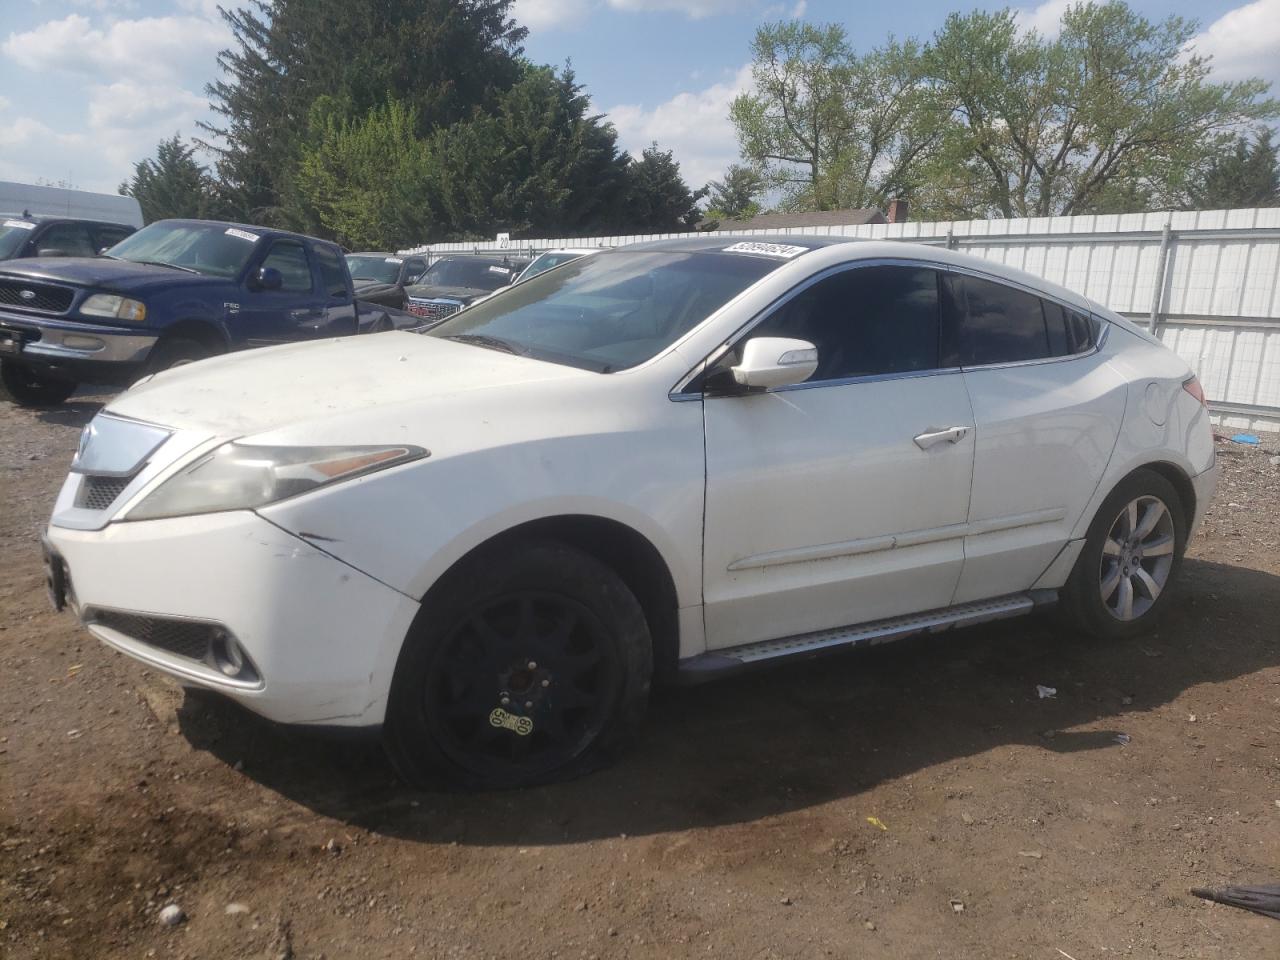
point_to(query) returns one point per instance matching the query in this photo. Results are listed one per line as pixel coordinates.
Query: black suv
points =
(22, 235)
(381, 278)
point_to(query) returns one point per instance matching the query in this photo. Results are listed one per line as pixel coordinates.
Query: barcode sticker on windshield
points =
(502, 270)
(20, 224)
(784, 250)
(394, 260)
(242, 234)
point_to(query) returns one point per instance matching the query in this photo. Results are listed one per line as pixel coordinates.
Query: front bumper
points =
(73, 348)
(323, 638)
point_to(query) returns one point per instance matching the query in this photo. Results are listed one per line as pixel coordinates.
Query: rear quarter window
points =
(990, 322)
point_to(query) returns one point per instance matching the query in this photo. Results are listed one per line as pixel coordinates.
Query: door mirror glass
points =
(775, 362)
(268, 278)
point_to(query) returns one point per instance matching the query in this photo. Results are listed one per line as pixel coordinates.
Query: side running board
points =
(732, 659)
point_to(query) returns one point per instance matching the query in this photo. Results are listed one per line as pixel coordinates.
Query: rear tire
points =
(1124, 577)
(526, 665)
(27, 388)
(176, 352)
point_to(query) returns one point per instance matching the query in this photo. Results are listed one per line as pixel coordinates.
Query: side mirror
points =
(775, 362)
(268, 278)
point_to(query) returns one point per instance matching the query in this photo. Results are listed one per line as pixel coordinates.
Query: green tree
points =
(1114, 111)
(173, 184)
(833, 129)
(539, 163)
(1246, 175)
(657, 198)
(734, 197)
(367, 182)
(442, 58)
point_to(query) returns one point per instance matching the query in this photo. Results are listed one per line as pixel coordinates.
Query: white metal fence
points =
(1205, 281)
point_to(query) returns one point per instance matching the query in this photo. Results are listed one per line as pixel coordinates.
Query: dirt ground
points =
(1005, 825)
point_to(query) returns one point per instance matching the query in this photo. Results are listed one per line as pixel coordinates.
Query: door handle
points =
(932, 437)
(308, 313)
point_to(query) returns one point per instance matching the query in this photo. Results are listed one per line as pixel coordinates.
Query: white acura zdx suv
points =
(673, 459)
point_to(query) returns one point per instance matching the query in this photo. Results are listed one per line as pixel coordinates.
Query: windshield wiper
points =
(172, 266)
(483, 340)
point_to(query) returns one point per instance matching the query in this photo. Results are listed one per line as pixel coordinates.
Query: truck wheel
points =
(27, 388)
(176, 352)
(524, 667)
(1124, 576)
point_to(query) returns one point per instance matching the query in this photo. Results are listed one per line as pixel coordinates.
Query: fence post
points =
(951, 239)
(1157, 295)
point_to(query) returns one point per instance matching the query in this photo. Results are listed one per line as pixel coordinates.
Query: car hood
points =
(427, 292)
(327, 386)
(102, 272)
(367, 289)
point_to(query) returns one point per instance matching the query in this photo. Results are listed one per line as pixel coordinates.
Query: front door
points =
(843, 499)
(293, 312)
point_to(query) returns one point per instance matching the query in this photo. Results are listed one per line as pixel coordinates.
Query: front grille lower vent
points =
(186, 638)
(35, 296)
(98, 493)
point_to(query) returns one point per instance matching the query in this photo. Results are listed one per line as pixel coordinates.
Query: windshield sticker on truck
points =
(784, 251)
(394, 260)
(20, 224)
(502, 270)
(242, 234)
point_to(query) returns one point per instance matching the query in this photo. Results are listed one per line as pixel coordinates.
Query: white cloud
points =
(550, 14)
(694, 125)
(128, 103)
(694, 9)
(1244, 42)
(4, 104)
(1045, 19)
(158, 48)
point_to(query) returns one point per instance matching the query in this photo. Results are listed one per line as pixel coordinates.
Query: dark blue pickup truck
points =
(174, 292)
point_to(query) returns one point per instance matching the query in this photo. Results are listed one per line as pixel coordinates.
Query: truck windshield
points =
(609, 311)
(466, 272)
(13, 234)
(378, 269)
(213, 249)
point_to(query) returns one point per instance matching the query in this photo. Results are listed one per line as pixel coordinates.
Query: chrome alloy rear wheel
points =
(1137, 558)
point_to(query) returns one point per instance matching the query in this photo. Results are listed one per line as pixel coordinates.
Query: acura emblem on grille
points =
(27, 294)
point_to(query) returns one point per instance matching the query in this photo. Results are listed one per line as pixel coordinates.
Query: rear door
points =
(1047, 409)
(337, 302)
(843, 499)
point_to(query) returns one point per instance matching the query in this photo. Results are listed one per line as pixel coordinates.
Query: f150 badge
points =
(509, 721)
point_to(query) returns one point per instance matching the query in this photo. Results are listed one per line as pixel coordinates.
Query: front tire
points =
(525, 666)
(27, 388)
(176, 352)
(1124, 577)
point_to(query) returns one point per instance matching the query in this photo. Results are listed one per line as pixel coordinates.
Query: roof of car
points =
(718, 241)
(257, 228)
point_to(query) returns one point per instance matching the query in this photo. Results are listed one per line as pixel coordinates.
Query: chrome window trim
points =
(680, 392)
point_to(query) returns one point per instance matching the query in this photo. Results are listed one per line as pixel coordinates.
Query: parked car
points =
(381, 278)
(174, 292)
(454, 282)
(23, 235)
(677, 459)
(553, 258)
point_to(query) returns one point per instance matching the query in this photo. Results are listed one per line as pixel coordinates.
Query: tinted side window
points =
(865, 321)
(109, 236)
(1055, 322)
(68, 239)
(992, 323)
(332, 274)
(290, 259)
(413, 269)
(1080, 331)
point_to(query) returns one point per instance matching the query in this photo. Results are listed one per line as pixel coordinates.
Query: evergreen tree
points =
(1246, 175)
(658, 199)
(734, 197)
(173, 184)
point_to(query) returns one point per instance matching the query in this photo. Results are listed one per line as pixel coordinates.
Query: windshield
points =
(466, 272)
(609, 311)
(13, 234)
(213, 249)
(377, 269)
(546, 262)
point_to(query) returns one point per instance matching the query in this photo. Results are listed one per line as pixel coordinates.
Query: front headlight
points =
(240, 476)
(111, 305)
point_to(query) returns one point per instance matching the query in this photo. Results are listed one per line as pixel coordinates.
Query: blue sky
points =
(89, 86)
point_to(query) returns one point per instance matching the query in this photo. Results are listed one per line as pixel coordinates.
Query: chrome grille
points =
(433, 309)
(98, 493)
(35, 296)
(186, 638)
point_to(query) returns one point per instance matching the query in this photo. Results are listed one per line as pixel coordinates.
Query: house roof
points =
(817, 218)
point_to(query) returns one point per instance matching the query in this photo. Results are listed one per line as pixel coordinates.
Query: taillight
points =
(1192, 386)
